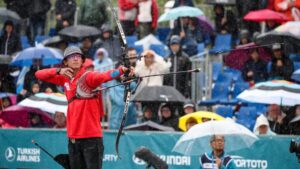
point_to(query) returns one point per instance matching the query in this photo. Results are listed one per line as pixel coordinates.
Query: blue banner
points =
(18, 151)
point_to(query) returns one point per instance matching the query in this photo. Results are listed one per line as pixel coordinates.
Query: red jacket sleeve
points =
(50, 76)
(95, 79)
(154, 14)
(126, 4)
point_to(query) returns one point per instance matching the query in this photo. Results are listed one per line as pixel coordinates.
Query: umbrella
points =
(196, 140)
(206, 26)
(182, 11)
(147, 41)
(264, 15)
(238, 57)
(291, 42)
(53, 41)
(290, 27)
(19, 116)
(51, 102)
(159, 94)
(198, 116)
(279, 92)
(222, 2)
(79, 32)
(296, 75)
(6, 14)
(149, 125)
(48, 56)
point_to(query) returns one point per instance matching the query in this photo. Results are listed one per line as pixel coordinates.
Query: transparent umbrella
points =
(196, 140)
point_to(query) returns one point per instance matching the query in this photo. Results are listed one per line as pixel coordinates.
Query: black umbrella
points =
(53, 41)
(290, 42)
(149, 125)
(167, 94)
(6, 14)
(79, 32)
(223, 2)
(61, 159)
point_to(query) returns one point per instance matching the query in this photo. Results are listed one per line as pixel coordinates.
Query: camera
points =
(295, 148)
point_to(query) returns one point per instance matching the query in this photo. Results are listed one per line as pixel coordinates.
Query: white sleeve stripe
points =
(228, 162)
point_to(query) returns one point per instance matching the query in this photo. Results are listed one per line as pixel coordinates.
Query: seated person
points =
(148, 114)
(190, 123)
(282, 67)
(294, 123)
(255, 69)
(36, 121)
(168, 117)
(60, 120)
(189, 107)
(262, 126)
(35, 88)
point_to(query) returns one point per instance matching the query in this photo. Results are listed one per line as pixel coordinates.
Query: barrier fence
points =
(17, 150)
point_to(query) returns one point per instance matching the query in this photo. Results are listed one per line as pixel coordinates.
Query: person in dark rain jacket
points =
(64, 11)
(179, 62)
(9, 40)
(255, 69)
(282, 67)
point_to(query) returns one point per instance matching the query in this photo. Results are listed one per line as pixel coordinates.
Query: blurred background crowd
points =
(237, 44)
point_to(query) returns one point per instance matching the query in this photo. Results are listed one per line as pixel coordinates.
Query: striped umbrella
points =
(49, 102)
(279, 92)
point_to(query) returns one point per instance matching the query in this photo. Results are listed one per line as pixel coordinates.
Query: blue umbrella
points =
(47, 55)
(296, 75)
(182, 11)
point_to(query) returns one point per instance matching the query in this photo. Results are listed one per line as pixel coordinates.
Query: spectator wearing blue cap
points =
(179, 62)
(189, 31)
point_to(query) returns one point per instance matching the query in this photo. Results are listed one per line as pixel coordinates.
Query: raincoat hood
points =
(262, 120)
(105, 64)
(104, 51)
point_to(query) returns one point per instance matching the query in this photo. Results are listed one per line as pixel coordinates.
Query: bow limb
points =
(127, 92)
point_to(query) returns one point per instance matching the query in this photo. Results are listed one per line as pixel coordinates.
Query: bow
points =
(127, 92)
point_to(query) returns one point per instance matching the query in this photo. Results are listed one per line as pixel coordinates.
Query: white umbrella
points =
(147, 41)
(273, 92)
(196, 140)
(47, 102)
(291, 27)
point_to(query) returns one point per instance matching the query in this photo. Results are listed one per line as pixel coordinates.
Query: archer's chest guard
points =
(83, 91)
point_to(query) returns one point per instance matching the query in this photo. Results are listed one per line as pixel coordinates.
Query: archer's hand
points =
(131, 71)
(67, 72)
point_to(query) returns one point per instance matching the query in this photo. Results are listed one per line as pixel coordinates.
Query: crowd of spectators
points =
(139, 18)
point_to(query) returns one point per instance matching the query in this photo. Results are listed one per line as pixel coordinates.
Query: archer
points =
(85, 108)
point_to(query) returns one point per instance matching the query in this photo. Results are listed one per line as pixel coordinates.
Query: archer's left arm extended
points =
(94, 79)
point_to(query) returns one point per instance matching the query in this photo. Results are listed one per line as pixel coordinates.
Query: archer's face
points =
(74, 61)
